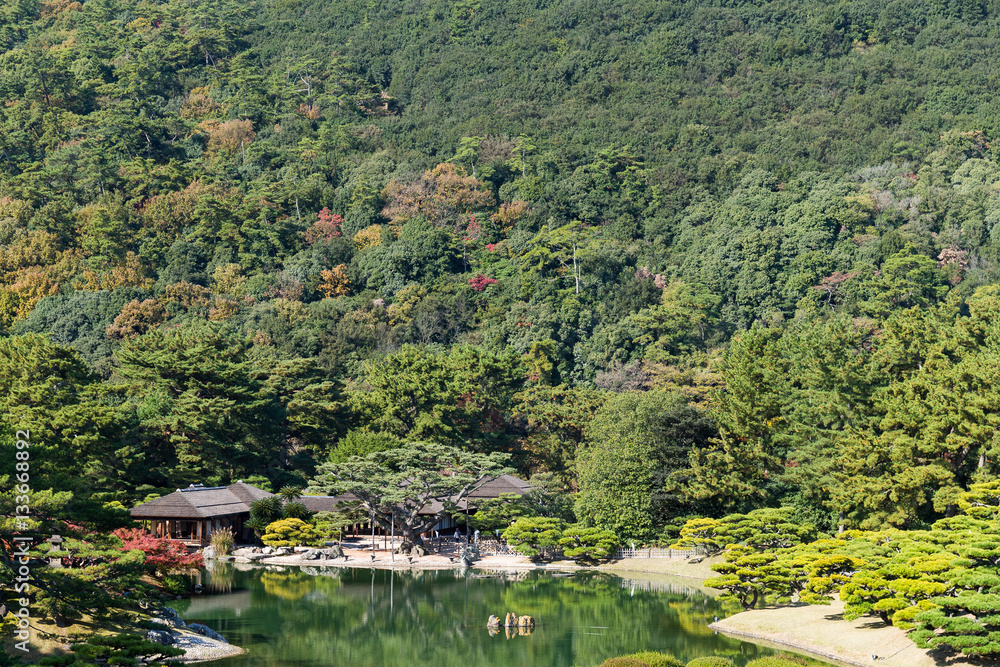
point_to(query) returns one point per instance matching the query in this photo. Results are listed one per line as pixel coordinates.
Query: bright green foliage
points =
(393, 486)
(708, 535)
(981, 501)
(650, 658)
(532, 535)
(362, 442)
(711, 661)
(624, 662)
(762, 530)
(939, 416)
(635, 441)
(588, 545)
(748, 577)
(291, 533)
(774, 662)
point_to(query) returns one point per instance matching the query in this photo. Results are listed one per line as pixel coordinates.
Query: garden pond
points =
(312, 616)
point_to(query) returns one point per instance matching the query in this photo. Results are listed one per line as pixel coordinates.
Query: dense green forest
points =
(674, 258)
(716, 270)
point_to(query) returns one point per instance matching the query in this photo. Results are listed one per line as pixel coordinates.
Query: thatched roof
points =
(201, 502)
(493, 487)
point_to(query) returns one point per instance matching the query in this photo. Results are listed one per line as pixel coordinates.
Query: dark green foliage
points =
(115, 650)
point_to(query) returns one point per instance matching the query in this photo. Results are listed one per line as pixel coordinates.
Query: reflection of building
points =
(191, 515)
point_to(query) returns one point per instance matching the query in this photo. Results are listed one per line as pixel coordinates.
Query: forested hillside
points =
(677, 258)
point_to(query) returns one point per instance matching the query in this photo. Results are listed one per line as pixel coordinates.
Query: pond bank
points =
(822, 631)
(198, 648)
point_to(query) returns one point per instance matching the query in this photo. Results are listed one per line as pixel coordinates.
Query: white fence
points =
(658, 552)
(495, 548)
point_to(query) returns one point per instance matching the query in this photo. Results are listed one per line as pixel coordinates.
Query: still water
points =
(437, 618)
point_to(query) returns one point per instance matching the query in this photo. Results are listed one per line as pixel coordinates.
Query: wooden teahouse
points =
(191, 515)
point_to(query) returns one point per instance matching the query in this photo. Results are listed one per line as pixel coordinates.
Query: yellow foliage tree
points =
(229, 279)
(137, 317)
(369, 237)
(335, 282)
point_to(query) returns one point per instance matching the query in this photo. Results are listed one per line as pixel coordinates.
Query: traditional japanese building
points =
(191, 515)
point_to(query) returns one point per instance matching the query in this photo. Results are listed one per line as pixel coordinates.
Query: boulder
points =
(161, 637)
(207, 632)
(312, 554)
(418, 551)
(169, 611)
(494, 622)
(208, 553)
(510, 620)
(226, 559)
(525, 622)
(333, 552)
(267, 551)
(246, 551)
(284, 551)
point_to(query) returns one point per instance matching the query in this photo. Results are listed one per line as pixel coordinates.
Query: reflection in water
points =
(411, 618)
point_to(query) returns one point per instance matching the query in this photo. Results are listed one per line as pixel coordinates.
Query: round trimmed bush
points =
(775, 662)
(711, 661)
(624, 662)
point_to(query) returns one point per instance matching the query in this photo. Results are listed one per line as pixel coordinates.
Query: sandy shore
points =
(822, 631)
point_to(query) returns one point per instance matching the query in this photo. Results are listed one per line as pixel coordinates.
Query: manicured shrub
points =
(624, 662)
(711, 661)
(654, 659)
(290, 533)
(530, 535)
(588, 545)
(775, 662)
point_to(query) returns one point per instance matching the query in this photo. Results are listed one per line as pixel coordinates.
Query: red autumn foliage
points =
(161, 554)
(481, 282)
(325, 228)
